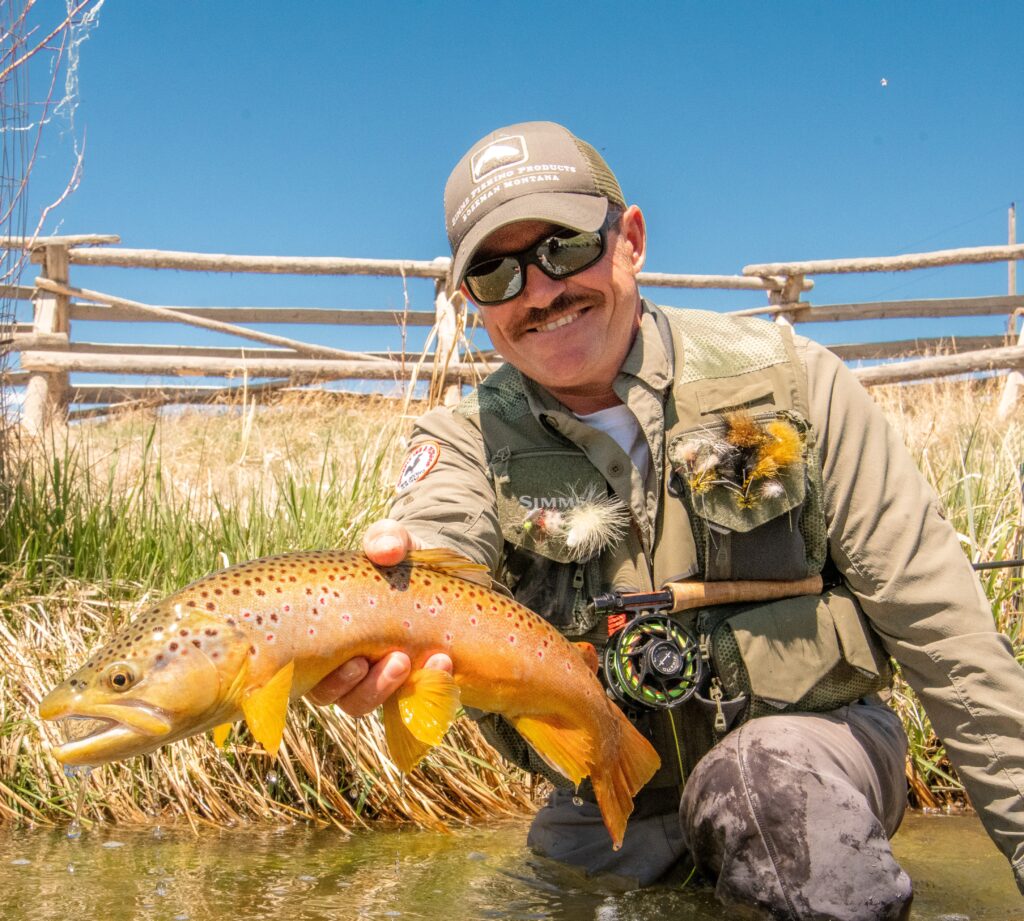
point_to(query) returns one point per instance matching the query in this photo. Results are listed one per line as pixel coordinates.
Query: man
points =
(739, 451)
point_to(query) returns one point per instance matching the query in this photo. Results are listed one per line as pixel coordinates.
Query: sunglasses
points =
(501, 278)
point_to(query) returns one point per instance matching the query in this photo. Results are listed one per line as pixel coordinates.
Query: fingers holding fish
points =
(387, 542)
(359, 688)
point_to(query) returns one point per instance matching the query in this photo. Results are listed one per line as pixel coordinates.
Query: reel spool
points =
(653, 661)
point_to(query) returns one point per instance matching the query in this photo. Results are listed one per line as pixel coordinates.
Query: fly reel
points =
(654, 661)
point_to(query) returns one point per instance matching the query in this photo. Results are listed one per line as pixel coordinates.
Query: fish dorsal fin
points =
(265, 709)
(451, 563)
(589, 654)
(220, 734)
(418, 714)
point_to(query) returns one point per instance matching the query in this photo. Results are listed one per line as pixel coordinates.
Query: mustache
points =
(564, 304)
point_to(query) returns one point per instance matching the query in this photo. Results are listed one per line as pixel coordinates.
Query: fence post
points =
(46, 393)
(1014, 380)
(788, 296)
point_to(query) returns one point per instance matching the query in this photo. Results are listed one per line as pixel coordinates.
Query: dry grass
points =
(109, 515)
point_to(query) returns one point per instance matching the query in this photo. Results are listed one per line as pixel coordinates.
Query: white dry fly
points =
(594, 521)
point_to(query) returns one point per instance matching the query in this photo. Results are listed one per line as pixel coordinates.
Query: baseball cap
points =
(531, 171)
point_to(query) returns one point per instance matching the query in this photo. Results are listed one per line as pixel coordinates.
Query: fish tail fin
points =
(626, 764)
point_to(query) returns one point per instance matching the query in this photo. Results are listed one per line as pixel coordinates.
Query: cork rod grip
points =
(688, 595)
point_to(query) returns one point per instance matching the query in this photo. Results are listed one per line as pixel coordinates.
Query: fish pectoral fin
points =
(565, 748)
(265, 709)
(220, 734)
(418, 714)
(450, 563)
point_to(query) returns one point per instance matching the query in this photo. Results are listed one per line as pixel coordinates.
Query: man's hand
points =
(357, 687)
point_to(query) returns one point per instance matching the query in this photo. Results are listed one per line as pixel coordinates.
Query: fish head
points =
(173, 671)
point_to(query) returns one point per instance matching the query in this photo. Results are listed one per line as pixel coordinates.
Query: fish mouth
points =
(106, 733)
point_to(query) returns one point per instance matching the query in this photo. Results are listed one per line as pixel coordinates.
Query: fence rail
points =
(49, 355)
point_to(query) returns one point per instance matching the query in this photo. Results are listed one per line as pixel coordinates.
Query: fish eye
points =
(120, 677)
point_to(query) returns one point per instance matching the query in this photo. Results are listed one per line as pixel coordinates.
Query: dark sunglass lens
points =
(563, 255)
(495, 280)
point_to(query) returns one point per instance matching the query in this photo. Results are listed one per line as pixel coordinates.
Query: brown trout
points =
(242, 642)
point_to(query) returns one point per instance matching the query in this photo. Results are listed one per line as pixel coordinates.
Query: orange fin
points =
(452, 564)
(220, 734)
(418, 714)
(265, 709)
(623, 768)
(567, 749)
(589, 654)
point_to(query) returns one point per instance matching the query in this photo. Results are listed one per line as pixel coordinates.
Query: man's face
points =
(570, 335)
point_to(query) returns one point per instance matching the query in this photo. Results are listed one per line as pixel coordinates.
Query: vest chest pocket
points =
(752, 489)
(544, 568)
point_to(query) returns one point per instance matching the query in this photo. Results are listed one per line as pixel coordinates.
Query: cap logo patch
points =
(419, 462)
(507, 150)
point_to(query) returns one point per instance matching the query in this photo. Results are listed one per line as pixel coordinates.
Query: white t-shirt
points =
(620, 424)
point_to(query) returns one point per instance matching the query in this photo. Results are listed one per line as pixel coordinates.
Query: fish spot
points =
(512, 638)
(540, 653)
(173, 647)
(473, 621)
(287, 608)
(236, 591)
(270, 637)
(372, 602)
(448, 637)
(312, 631)
(274, 617)
(407, 624)
(197, 643)
(347, 618)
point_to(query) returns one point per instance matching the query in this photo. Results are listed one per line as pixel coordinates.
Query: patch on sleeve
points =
(418, 464)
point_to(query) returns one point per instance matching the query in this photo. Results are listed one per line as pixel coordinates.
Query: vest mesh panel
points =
(718, 346)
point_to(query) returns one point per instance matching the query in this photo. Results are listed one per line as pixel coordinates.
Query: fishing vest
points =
(809, 653)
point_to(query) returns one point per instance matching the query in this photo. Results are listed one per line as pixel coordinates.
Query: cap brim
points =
(567, 209)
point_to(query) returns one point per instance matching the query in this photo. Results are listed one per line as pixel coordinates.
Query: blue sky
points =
(748, 132)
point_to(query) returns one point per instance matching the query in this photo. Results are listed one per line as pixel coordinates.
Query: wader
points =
(782, 778)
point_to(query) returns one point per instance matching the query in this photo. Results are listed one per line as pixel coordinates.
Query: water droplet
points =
(71, 868)
(273, 778)
(20, 862)
(74, 831)
(158, 832)
(113, 844)
(161, 890)
(577, 800)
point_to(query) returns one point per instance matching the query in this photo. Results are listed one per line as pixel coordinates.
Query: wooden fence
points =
(49, 355)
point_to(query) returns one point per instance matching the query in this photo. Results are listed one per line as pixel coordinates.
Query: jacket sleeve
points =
(901, 557)
(451, 505)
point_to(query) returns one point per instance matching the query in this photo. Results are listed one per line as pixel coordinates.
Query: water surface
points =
(304, 874)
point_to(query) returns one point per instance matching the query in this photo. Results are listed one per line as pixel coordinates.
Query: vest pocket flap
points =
(743, 470)
(860, 648)
(534, 492)
(787, 647)
(729, 509)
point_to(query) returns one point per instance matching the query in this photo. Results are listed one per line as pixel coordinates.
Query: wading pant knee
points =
(791, 815)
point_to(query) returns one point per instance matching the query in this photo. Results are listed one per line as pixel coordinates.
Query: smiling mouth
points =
(563, 320)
